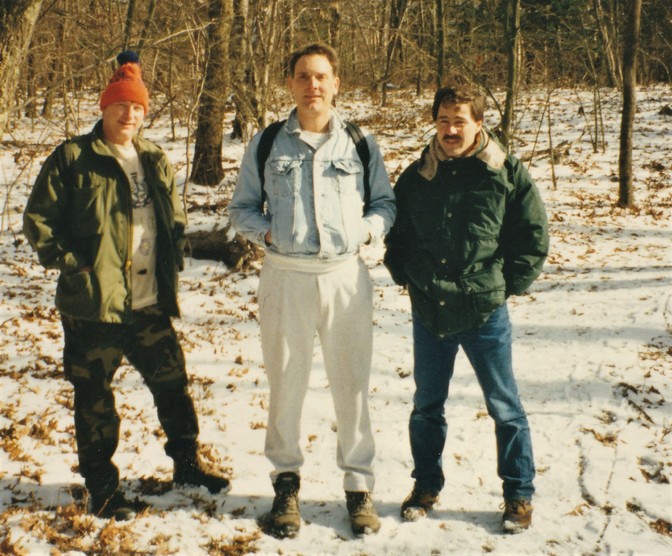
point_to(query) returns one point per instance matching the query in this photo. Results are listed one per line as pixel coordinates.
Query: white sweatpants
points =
(298, 298)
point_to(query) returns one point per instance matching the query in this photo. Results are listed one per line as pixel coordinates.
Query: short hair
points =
(313, 49)
(459, 95)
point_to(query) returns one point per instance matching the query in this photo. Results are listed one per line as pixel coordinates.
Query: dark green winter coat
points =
(79, 215)
(466, 240)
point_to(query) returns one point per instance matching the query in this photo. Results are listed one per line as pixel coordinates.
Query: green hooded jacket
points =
(468, 238)
(79, 215)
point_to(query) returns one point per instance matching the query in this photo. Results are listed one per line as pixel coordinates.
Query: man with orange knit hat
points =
(105, 211)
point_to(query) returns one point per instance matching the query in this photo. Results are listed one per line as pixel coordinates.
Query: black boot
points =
(111, 506)
(189, 471)
(102, 482)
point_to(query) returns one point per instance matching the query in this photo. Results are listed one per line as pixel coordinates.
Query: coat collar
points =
(488, 150)
(293, 126)
(144, 147)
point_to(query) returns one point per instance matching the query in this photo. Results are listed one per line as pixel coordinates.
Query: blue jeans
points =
(488, 348)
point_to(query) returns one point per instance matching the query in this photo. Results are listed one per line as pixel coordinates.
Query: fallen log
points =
(225, 246)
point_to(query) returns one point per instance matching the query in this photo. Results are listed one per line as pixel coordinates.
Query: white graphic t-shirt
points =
(144, 289)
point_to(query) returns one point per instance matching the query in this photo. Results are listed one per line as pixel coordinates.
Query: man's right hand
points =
(267, 238)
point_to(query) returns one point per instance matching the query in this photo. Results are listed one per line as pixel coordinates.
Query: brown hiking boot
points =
(113, 506)
(363, 516)
(418, 504)
(284, 519)
(517, 515)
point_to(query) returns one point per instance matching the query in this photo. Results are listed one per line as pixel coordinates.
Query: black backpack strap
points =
(364, 155)
(263, 150)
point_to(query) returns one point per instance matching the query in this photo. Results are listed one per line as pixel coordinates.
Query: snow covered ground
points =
(593, 356)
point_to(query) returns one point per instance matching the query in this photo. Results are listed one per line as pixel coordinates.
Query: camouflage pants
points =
(92, 354)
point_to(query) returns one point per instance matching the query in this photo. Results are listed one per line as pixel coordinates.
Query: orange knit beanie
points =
(126, 83)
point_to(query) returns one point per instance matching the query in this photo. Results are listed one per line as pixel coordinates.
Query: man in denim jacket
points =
(313, 281)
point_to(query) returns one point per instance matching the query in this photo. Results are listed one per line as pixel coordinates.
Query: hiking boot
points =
(189, 471)
(113, 506)
(418, 504)
(363, 516)
(517, 515)
(284, 519)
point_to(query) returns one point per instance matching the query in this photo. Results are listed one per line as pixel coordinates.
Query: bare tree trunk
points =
(256, 42)
(397, 12)
(128, 26)
(630, 46)
(207, 168)
(420, 40)
(335, 26)
(31, 90)
(171, 92)
(512, 37)
(440, 43)
(48, 104)
(614, 75)
(151, 8)
(264, 50)
(241, 73)
(65, 86)
(17, 22)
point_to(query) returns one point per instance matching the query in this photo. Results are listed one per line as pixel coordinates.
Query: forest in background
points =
(202, 58)
(383, 44)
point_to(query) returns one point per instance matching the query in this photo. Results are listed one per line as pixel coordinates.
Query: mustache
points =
(450, 137)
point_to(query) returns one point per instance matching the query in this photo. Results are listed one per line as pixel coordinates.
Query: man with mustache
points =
(313, 280)
(471, 230)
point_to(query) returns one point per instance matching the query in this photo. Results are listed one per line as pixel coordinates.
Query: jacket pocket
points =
(282, 193)
(283, 177)
(87, 214)
(77, 295)
(346, 202)
(485, 289)
(486, 203)
(346, 174)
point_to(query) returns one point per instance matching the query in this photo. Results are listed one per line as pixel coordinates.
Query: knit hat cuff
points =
(126, 85)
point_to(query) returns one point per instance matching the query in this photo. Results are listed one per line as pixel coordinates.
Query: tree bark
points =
(397, 12)
(17, 23)
(613, 69)
(241, 73)
(630, 47)
(128, 26)
(207, 168)
(440, 43)
(144, 33)
(512, 37)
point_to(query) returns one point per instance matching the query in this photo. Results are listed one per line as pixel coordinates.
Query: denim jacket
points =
(315, 198)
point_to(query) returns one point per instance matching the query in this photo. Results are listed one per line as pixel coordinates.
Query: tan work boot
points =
(418, 504)
(284, 519)
(363, 516)
(517, 515)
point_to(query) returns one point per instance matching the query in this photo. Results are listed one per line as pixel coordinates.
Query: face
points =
(313, 85)
(457, 129)
(122, 120)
